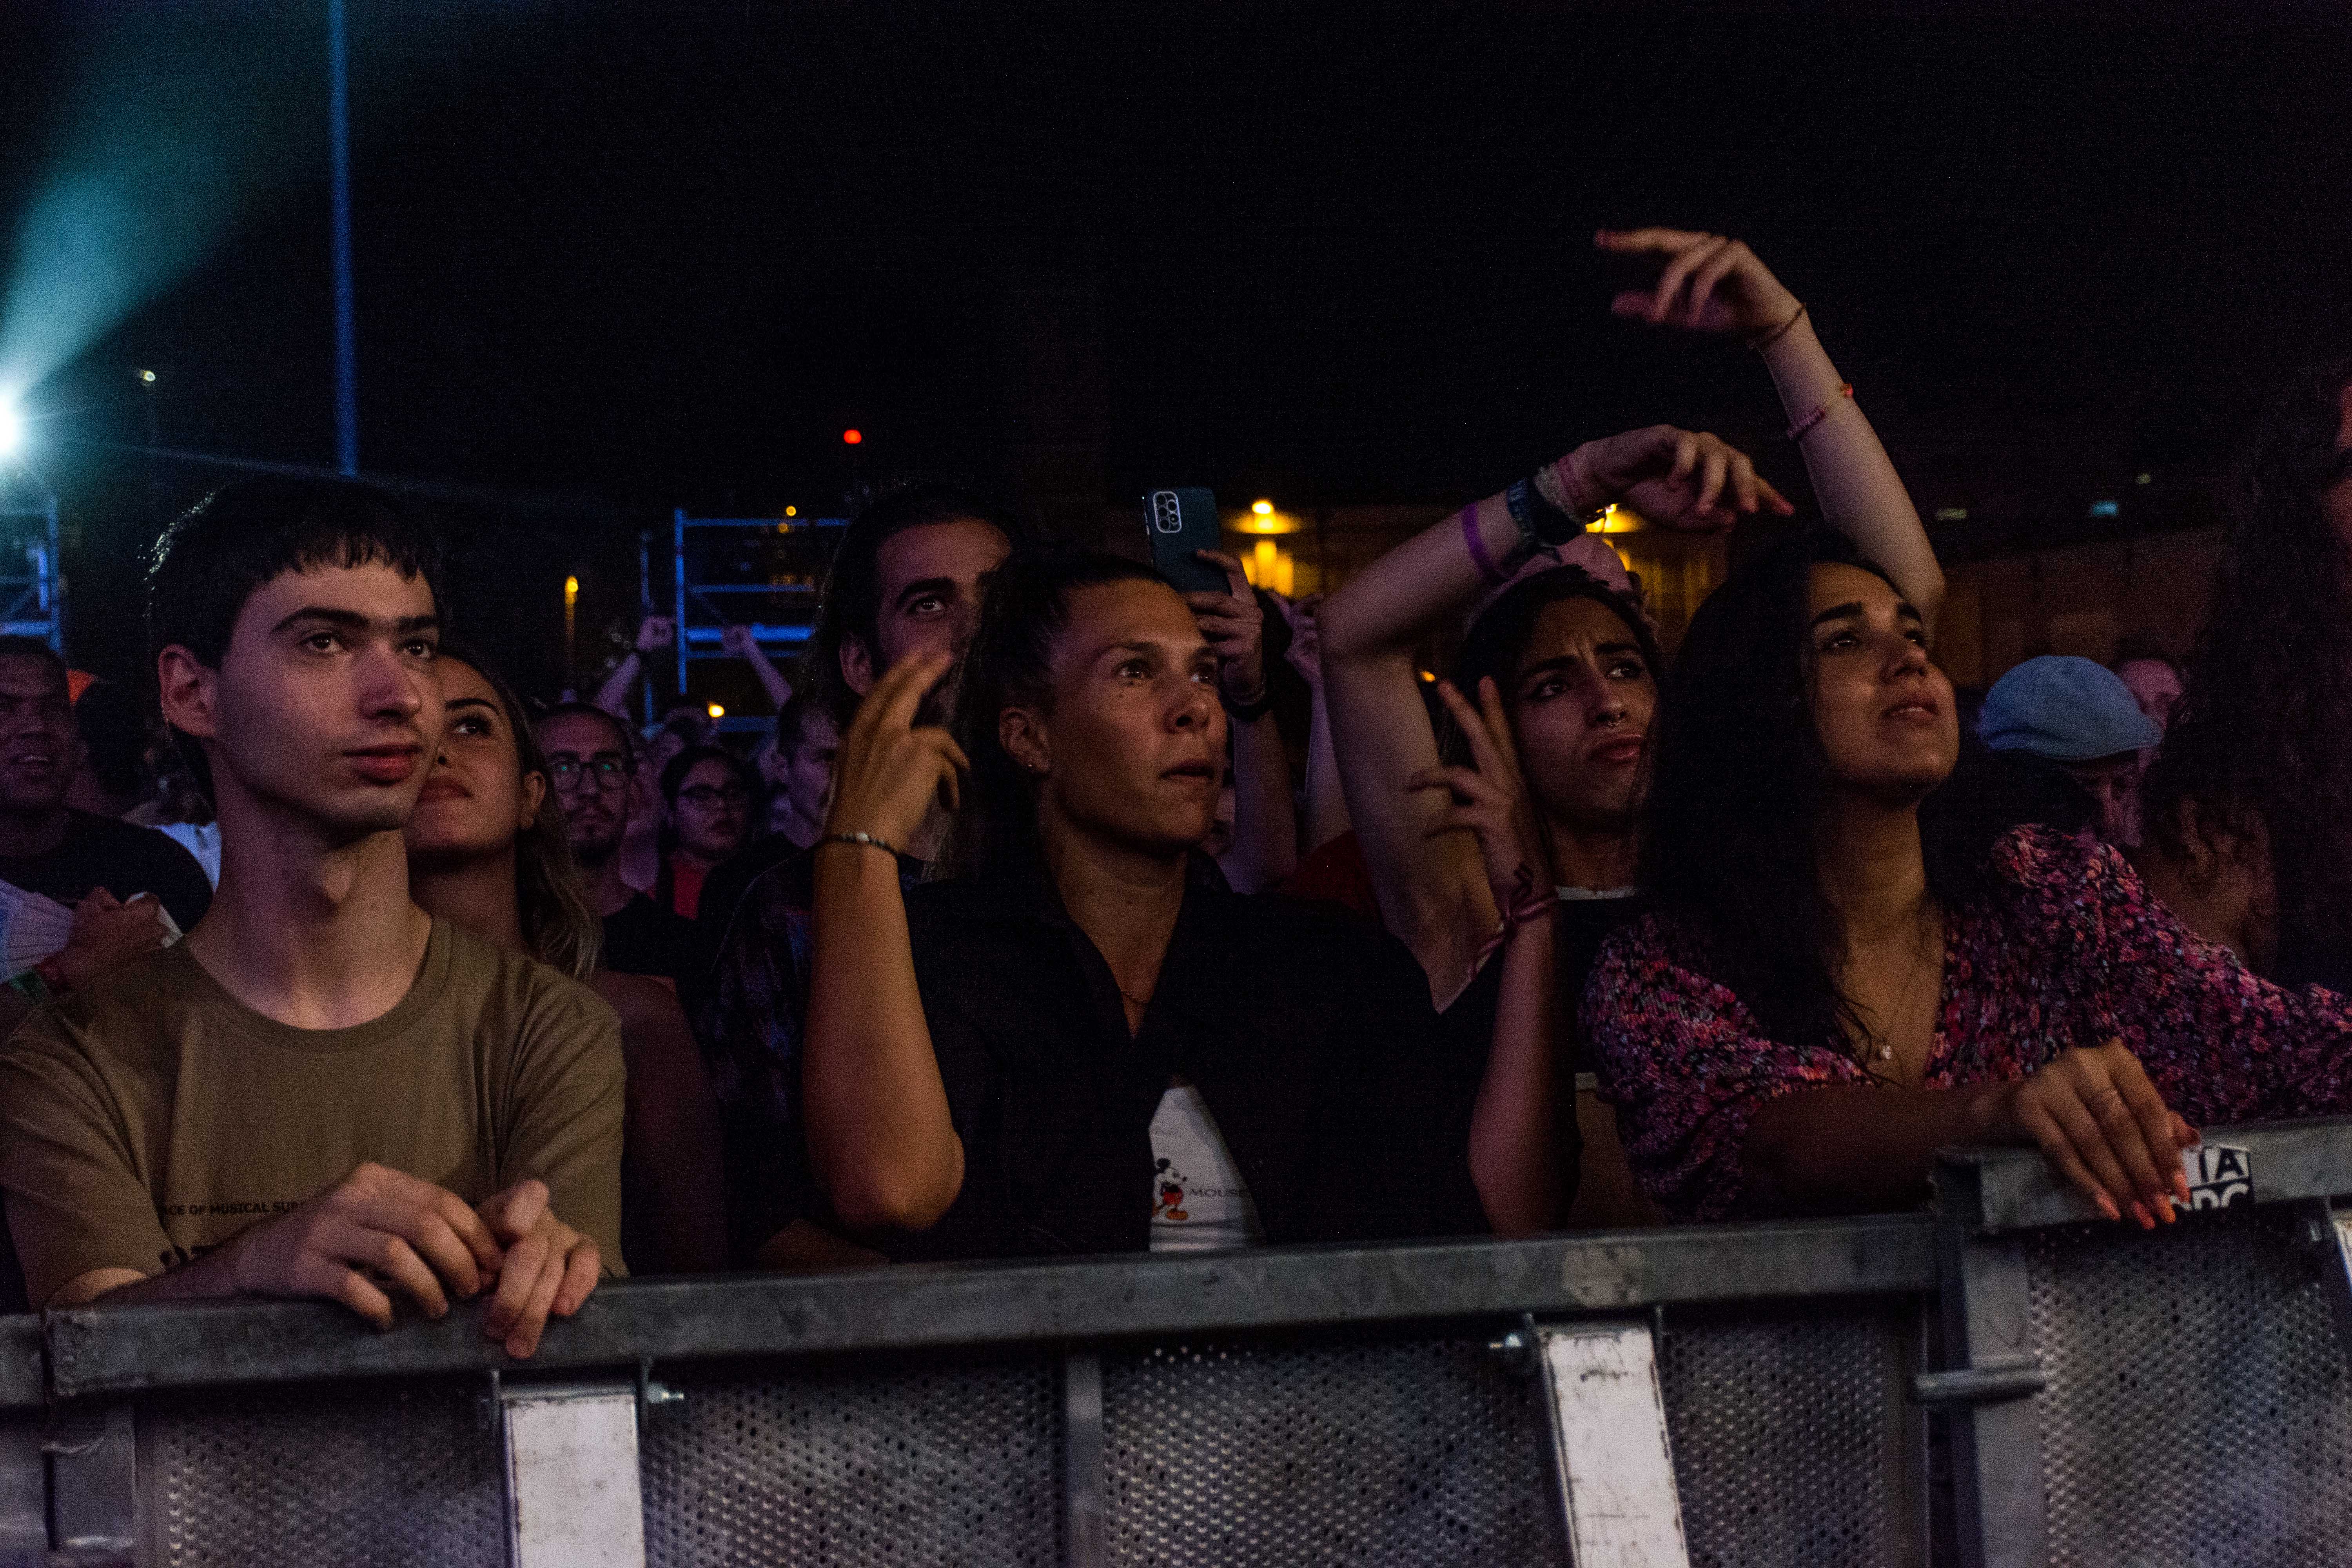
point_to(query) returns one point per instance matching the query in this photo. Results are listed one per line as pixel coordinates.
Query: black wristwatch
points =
(1539, 519)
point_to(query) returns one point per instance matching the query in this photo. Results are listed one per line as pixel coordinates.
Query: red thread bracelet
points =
(1798, 431)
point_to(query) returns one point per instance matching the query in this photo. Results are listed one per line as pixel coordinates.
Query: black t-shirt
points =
(643, 938)
(1308, 1032)
(1582, 926)
(723, 889)
(123, 858)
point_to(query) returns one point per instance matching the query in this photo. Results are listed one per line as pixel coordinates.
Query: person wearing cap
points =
(2080, 718)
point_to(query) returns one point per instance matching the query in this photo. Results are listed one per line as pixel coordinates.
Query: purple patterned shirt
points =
(2068, 949)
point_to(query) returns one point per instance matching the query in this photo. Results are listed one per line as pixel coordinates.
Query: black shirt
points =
(643, 938)
(123, 858)
(723, 889)
(1307, 1031)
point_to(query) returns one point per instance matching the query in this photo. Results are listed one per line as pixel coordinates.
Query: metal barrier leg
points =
(1608, 1436)
(1997, 1426)
(94, 1481)
(1085, 1543)
(572, 1494)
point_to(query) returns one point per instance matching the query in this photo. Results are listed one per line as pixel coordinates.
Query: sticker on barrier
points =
(2220, 1175)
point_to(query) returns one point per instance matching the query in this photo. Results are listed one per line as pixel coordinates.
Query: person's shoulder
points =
(481, 970)
(136, 1012)
(2035, 857)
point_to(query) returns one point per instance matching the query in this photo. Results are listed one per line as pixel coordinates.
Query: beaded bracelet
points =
(861, 841)
(1798, 431)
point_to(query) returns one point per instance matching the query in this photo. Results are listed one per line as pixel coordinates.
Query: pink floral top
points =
(2068, 949)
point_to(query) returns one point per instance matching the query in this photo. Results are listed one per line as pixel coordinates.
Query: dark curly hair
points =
(2259, 740)
(1736, 788)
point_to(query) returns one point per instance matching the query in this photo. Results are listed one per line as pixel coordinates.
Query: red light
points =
(851, 437)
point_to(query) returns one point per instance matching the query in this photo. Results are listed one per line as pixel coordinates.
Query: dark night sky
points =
(662, 254)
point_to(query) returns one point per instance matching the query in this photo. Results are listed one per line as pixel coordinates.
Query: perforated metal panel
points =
(849, 1466)
(1224, 1455)
(364, 1475)
(2199, 1410)
(1787, 1439)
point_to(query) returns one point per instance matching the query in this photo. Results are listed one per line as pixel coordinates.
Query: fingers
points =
(1472, 725)
(1773, 498)
(2044, 1128)
(1665, 298)
(2081, 1131)
(899, 692)
(1237, 580)
(581, 1273)
(1713, 466)
(516, 1211)
(522, 1340)
(1633, 241)
(395, 1259)
(517, 1281)
(1717, 265)
(1462, 783)
(470, 1232)
(2153, 1120)
(334, 1282)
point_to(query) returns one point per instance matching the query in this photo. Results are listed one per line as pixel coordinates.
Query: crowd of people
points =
(1062, 913)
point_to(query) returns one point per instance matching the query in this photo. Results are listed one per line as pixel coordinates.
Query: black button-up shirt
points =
(1307, 1030)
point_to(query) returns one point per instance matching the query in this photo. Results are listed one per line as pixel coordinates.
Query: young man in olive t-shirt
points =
(322, 1092)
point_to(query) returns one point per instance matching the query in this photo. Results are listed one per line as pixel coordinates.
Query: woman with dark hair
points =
(2257, 752)
(1574, 670)
(1083, 1042)
(1836, 982)
(707, 792)
(488, 851)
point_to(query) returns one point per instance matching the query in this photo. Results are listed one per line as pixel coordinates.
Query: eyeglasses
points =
(712, 795)
(607, 770)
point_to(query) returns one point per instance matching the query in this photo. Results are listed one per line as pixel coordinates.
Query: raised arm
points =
(1431, 889)
(739, 641)
(1266, 828)
(880, 1138)
(654, 633)
(1710, 284)
(1326, 809)
(1524, 1141)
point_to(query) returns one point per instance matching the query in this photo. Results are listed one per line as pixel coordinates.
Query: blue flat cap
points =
(2065, 709)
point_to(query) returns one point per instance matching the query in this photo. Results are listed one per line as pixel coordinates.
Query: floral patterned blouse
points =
(2068, 949)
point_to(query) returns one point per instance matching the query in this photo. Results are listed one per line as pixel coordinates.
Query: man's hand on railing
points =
(377, 1228)
(549, 1268)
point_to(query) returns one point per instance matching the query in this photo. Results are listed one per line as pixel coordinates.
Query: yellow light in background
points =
(570, 591)
(147, 377)
(718, 711)
(1263, 558)
(791, 511)
(1430, 676)
(1616, 519)
(1263, 508)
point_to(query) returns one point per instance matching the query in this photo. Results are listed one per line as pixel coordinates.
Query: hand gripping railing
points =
(1706, 1394)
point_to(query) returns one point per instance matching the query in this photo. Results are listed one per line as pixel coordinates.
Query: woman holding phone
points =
(1080, 1043)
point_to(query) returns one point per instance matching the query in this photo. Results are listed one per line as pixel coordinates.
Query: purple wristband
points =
(1478, 556)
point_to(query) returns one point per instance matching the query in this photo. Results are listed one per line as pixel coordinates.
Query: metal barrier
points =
(1759, 1394)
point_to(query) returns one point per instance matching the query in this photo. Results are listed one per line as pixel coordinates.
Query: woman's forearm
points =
(1517, 1158)
(1423, 583)
(1265, 829)
(1850, 1149)
(880, 1138)
(1860, 494)
(1327, 806)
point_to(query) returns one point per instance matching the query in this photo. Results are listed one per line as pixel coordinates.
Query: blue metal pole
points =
(339, 136)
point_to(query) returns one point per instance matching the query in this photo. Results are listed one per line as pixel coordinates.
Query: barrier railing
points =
(1755, 1394)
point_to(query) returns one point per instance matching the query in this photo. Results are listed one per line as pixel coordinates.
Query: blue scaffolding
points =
(763, 573)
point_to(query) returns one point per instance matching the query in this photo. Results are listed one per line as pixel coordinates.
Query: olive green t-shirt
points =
(152, 1116)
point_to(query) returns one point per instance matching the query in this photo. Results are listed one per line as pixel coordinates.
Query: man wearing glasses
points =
(592, 763)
